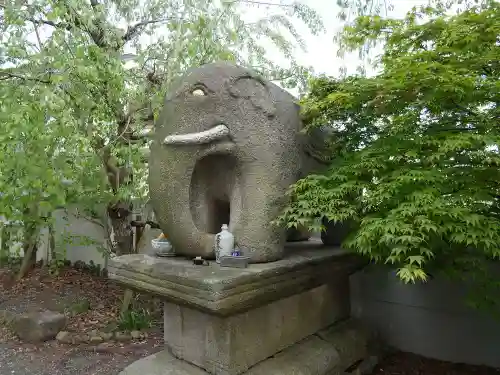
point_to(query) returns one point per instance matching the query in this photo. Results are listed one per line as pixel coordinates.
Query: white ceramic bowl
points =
(161, 244)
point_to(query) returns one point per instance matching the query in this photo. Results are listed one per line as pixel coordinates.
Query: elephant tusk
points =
(207, 136)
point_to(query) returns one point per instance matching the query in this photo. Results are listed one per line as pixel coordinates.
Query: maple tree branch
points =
(6, 75)
(38, 38)
(67, 25)
(73, 20)
(133, 30)
(125, 134)
(58, 25)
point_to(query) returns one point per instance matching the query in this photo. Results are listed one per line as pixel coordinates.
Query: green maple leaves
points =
(416, 157)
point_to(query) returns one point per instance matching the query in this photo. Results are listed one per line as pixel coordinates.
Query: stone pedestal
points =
(230, 321)
(230, 345)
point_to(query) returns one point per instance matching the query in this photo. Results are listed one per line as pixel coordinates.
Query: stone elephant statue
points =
(226, 147)
(313, 146)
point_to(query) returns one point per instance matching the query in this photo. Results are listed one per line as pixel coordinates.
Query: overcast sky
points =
(321, 51)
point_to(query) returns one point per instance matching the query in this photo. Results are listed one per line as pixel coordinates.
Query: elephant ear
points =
(255, 90)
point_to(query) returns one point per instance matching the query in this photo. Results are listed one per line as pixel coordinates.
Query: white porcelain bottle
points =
(224, 243)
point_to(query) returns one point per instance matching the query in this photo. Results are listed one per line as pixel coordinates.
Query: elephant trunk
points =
(216, 133)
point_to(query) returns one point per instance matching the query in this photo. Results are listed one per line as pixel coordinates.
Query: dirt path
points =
(64, 293)
(53, 358)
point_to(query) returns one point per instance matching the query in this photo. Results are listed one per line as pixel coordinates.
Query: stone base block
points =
(231, 345)
(228, 291)
(342, 349)
(162, 363)
(227, 320)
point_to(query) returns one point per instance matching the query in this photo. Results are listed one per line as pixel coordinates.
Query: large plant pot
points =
(336, 233)
(430, 319)
(297, 234)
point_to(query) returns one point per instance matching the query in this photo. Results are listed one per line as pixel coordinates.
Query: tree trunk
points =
(29, 248)
(4, 244)
(52, 244)
(121, 219)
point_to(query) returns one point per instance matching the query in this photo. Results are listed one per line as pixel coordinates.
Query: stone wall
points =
(77, 239)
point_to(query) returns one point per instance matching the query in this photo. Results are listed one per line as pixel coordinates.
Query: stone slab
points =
(162, 363)
(226, 291)
(231, 345)
(311, 356)
(351, 339)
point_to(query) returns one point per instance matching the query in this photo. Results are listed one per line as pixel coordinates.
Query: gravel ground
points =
(57, 359)
(51, 360)
(62, 293)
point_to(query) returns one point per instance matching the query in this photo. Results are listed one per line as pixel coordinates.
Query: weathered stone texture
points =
(231, 345)
(237, 177)
(162, 363)
(226, 291)
(311, 356)
(229, 320)
(39, 326)
(350, 339)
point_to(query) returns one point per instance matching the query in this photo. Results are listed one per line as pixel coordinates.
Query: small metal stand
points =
(199, 261)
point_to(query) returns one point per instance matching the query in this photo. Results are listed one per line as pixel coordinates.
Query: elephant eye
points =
(198, 92)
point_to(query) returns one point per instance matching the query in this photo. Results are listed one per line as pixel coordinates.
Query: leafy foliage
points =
(73, 107)
(416, 158)
(350, 9)
(135, 320)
